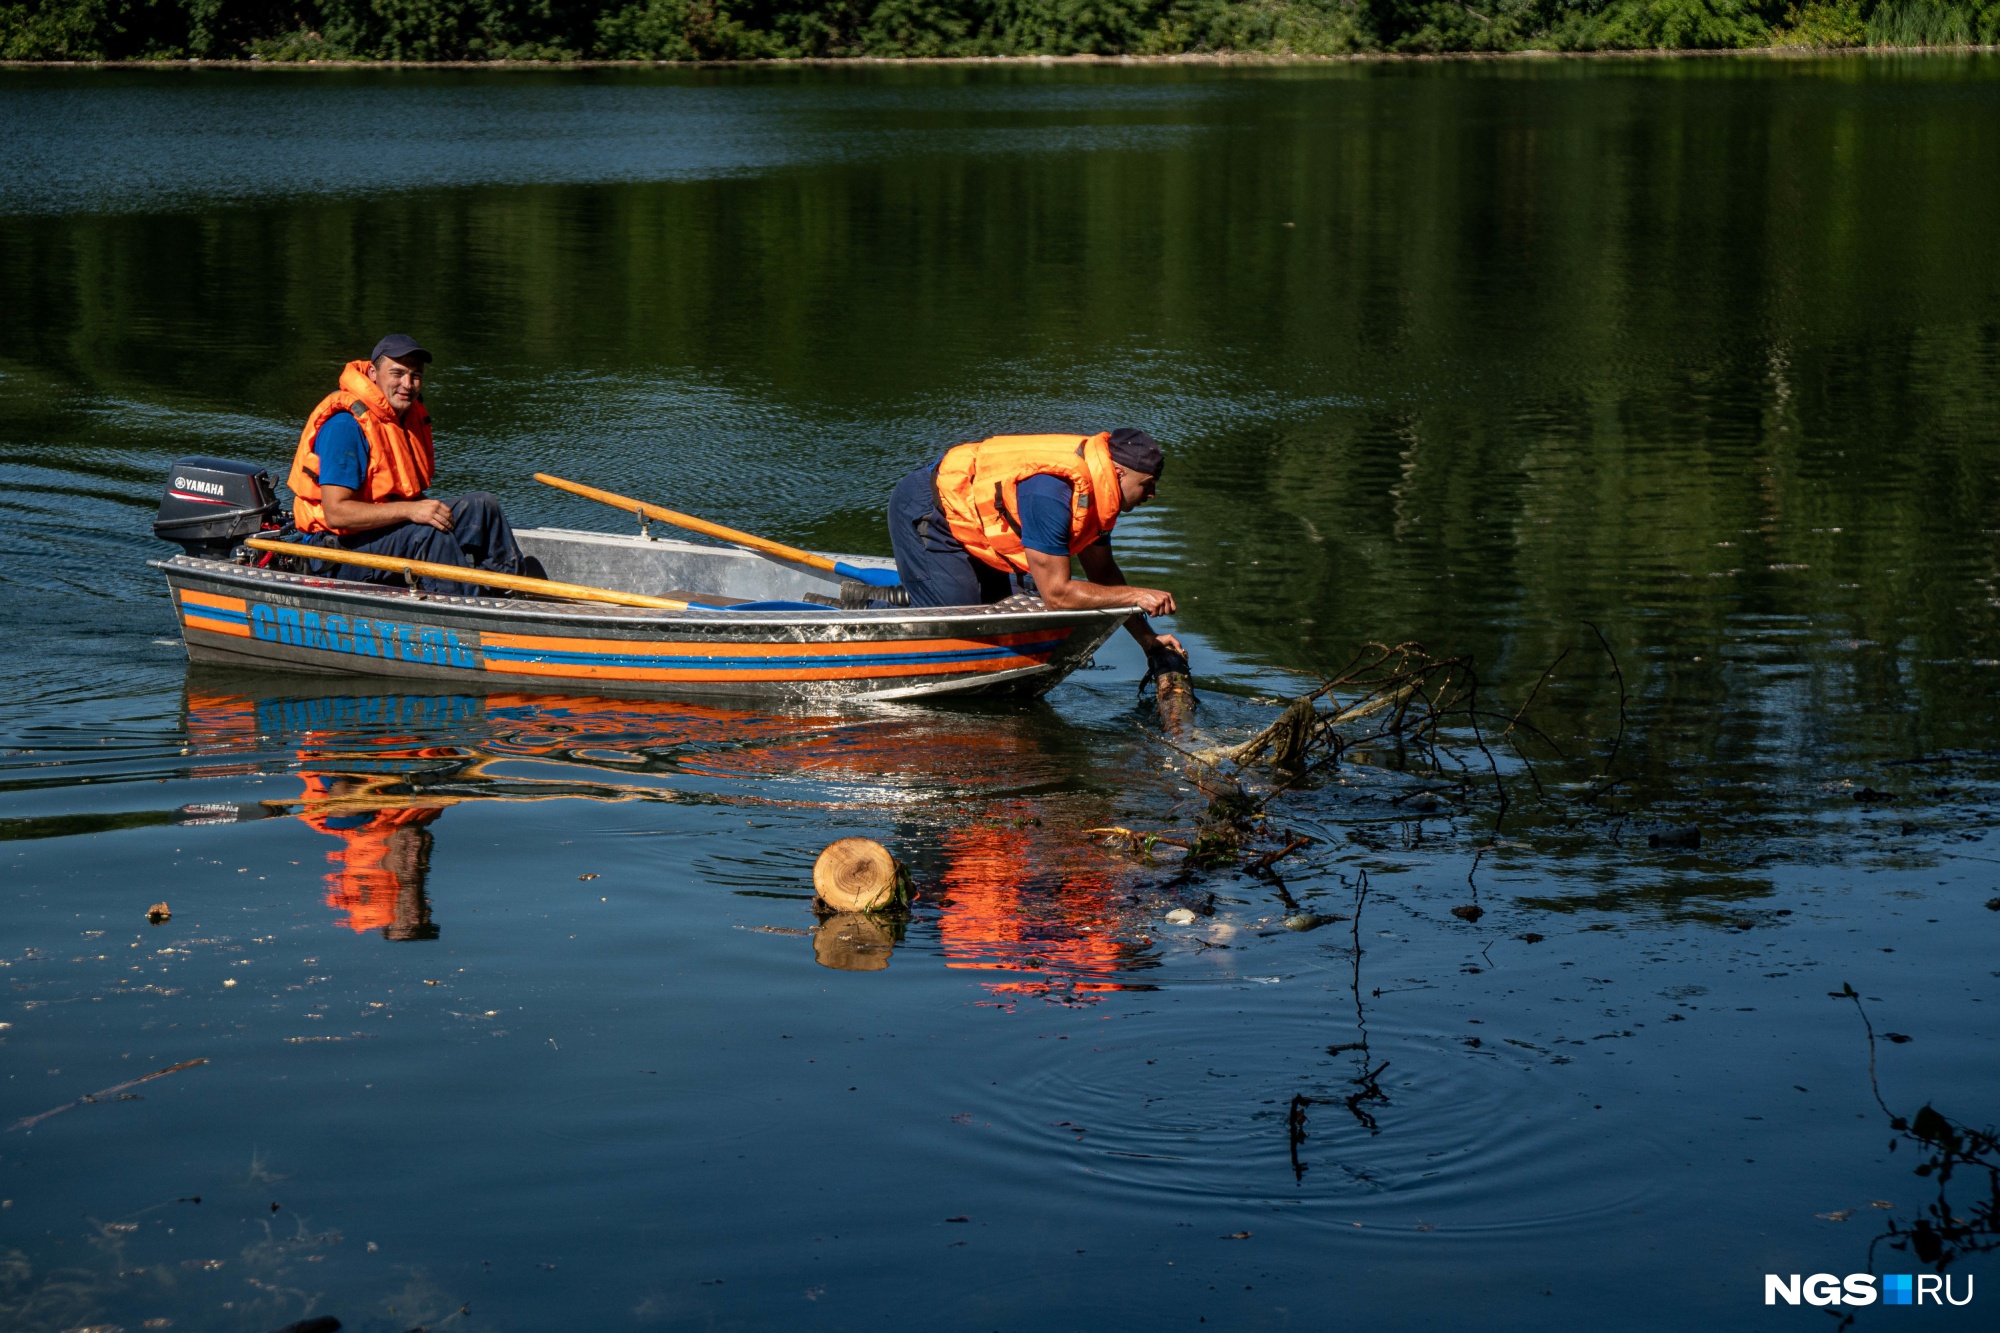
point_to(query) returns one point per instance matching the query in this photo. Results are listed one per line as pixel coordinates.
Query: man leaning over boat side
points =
(1004, 515)
(364, 462)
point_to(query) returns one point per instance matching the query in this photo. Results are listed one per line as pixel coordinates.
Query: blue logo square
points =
(1896, 1288)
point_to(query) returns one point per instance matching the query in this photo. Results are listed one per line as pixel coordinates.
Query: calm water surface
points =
(512, 1011)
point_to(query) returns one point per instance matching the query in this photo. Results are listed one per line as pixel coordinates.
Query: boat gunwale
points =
(929, 618)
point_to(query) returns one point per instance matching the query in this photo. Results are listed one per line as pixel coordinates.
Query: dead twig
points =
(1606, 782)
(89, 1098)
(1271, 858)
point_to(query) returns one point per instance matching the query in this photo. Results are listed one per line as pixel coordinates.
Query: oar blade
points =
(874, 578)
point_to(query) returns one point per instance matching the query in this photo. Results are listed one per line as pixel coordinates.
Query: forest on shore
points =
(570, 30)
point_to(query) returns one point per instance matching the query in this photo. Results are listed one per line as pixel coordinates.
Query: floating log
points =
(1173, 688)
(158, 912)
(855, 875)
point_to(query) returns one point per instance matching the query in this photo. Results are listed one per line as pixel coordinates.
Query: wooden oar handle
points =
(575, 592)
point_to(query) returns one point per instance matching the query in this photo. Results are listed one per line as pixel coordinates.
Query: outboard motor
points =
(212, 503)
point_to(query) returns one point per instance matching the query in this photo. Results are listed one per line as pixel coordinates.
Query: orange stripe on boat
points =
(628, 659)
(189, 597)
(215, 615)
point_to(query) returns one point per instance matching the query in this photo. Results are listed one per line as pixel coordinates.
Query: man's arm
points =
(1106, 587)
(346, 514)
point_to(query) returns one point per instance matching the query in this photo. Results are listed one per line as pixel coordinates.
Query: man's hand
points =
(1153, 601)
(1162, 641)
(435, 513)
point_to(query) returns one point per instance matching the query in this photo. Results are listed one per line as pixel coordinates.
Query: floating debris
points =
(1468, 911)
(159, 912)
(1309, 921)
(1181, 916)
(1125, 839)
(1292, 843)
(112, 1091)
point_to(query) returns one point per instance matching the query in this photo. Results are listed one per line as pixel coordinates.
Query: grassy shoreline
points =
(1215, 58)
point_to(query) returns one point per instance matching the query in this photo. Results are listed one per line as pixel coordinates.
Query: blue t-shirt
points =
(1045, 502)
(343, 451)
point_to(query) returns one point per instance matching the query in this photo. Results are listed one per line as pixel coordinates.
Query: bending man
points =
(1005, 515)
(364, 462)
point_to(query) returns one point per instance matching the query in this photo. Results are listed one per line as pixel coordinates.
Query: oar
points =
(575, 592)
(875, 578)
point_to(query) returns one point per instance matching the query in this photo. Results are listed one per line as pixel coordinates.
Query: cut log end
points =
(855, 875)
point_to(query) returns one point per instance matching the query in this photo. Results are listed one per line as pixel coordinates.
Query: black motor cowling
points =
(212, 503)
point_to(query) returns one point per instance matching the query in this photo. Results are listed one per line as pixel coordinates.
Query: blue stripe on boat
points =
(198, 612)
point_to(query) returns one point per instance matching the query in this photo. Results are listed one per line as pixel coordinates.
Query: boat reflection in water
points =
(371, 798)
(385, 853)
(1001, 890)
(1019, 897)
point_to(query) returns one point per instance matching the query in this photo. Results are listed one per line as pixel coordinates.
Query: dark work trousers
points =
(480, 538)
(934, 565)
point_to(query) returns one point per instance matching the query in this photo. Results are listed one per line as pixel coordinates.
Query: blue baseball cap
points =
(399, 347)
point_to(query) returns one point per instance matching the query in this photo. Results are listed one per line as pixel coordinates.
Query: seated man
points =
(968, 530)
(363, 465)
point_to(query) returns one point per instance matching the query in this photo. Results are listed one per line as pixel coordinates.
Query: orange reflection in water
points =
(378, 792)
(1018, 899)
(380, 867)
(377, 880)
(377, 772)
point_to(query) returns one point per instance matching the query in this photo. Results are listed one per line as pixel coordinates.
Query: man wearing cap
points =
(1004, 515)
(363, 465)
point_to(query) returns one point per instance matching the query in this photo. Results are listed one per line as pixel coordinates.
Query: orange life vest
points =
(400, 458)
(976, 491)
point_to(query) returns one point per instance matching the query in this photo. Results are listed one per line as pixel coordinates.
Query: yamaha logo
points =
(206, 487)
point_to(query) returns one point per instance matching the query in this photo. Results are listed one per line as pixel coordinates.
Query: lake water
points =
(1681, 376)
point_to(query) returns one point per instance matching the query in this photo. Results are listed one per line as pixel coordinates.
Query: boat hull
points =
(260, 618)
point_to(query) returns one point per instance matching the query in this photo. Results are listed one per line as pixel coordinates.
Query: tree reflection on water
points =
(1945, 1232)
